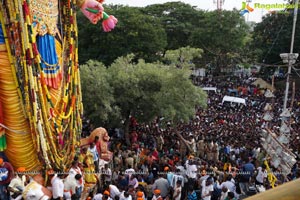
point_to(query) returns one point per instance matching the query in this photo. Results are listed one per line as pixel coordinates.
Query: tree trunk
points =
(126, 131)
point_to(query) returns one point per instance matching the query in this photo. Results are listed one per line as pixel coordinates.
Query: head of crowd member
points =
(203, 172)
(106, 194)
(20, 171)
(157, 192)
(224, 189)
(116, 197)
(84, 150)
(230, 195)
(92, 145)
(209, 181)
(74, 164)
(139, 194)
(78, 177)
(60, 175)
(126, 194)
(190, 190)
(229, 177)
(166, 169)
(75, 197)
(130, 189)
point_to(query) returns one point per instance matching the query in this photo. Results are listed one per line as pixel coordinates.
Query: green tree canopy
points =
(221, 36)
(139, 89)
(135, 32)
(272, 37)
(147, 90)
(178, 19)
(97, 93)
(183, 57)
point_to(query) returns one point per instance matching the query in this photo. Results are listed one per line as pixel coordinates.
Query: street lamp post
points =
(290, 59)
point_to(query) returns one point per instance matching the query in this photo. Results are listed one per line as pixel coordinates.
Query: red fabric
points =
(98, 147)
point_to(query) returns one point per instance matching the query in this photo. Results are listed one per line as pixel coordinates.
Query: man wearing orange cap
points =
(157, 195)
(140, 195)
(6, 175)
(104, 196)
(17, 184)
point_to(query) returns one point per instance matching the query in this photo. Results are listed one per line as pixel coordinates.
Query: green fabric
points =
(2, 143)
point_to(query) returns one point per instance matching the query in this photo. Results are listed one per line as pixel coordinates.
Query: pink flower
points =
(109, 23)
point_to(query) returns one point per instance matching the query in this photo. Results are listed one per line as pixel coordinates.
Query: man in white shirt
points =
(17, 184)
(261, 175)
(129, 171)
(191, 172)
(125, 196)
(71, 185)
(57, 187)
(177, 190)
(224, 193)
(113, 191)
(207, 188)
(228, 184)
(107, 175)
(74, 170)
(104, 196)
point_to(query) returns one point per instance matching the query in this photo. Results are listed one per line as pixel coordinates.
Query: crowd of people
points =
(217, 155)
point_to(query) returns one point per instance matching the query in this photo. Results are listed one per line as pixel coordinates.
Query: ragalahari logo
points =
(245, 9)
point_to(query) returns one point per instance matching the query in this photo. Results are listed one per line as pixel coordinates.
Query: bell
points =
(286, 113)
(276, 162)
(268, 117)
(278, 150)
(284, 128)
(283, 139)
(269, 94)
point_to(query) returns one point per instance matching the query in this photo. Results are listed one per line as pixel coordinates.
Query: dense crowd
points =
(217, 155)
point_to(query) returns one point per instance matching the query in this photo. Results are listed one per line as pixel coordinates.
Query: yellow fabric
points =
(20, 149)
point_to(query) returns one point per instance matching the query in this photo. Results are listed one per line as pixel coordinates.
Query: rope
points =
(15, 131)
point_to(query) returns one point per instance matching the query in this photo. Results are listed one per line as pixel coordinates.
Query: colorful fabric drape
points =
(49, 61)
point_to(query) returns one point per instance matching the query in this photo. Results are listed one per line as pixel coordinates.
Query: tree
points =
(183, 57)
(143, 90)
(135, 33)
(221, 36)
(147, 90)
(97, 93)
(178, 19)
(273, 36)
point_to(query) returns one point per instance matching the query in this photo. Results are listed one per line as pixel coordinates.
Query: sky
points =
(256, 15)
